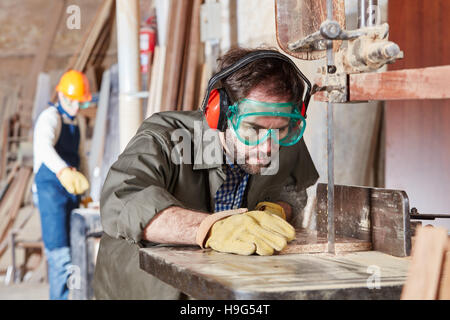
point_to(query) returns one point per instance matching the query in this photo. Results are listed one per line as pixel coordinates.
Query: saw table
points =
(373, 242)
(207, 274)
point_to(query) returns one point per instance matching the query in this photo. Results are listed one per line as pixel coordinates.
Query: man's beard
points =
(252, 167)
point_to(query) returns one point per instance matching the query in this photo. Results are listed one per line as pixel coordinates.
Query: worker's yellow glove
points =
(271, 207)
(250, 232)
(73, 181)
(273, 223)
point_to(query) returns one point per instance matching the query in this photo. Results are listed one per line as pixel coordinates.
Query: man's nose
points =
(266, 146)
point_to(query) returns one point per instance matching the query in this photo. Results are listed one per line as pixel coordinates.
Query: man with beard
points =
(223, 189)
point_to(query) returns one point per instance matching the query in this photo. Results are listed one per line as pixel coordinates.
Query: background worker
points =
(153, 195)
(59, 160)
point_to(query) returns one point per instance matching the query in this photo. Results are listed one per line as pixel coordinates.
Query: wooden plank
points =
(192, 60)
(5, 147)
(98, 138)
(308, 241)
(163, 9)
(426, 265)
(184, 60)
(152, 83)
(4, 133)
(42, 52)
(175, 46)
(233, 23)
(205, 75)
(6, 204)
(103, 42)
(15, 138)
(18, 193)
(155, 80)
(444, 287)
(93, 35)
(92, 79)
(111, 150)
(6, 183)
(408, 84)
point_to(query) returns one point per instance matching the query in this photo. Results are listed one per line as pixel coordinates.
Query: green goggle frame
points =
(295, 128)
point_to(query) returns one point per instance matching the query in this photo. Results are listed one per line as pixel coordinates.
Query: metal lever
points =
(415, 215)
(329, 30)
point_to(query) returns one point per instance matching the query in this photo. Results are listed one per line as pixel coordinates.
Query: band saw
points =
(363, 236)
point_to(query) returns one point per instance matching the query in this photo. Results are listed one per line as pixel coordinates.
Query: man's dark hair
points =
(278, 77)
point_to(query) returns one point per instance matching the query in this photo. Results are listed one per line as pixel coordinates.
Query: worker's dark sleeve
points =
(304, 171)
(136, 187)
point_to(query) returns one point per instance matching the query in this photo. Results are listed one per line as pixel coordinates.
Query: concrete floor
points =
(24, 291)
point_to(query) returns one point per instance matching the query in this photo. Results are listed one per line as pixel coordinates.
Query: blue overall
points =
(55, 205)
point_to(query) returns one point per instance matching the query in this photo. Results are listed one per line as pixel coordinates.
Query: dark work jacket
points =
(145, 180)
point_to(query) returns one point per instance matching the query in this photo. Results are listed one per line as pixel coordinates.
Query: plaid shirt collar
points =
(231, 193)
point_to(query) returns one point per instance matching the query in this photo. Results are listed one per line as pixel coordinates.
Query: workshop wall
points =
(418, 142)
(356, 125)
(19, 41)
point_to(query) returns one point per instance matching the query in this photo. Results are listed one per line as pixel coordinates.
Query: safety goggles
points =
(243, 117)
(81, 105)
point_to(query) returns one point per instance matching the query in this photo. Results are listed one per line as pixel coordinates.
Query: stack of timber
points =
(12, 131)
(177, 63)
(14, 194)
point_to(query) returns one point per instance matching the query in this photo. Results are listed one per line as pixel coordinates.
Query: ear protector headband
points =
(217, 100)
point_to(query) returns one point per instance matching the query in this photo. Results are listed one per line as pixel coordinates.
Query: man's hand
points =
(73, 181)
(280, 208)
(234, 231)
(250, 232)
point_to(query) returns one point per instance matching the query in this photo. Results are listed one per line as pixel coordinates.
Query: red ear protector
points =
(216, 109)
(216, 101)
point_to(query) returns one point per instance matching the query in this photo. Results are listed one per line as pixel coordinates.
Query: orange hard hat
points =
(75, 86)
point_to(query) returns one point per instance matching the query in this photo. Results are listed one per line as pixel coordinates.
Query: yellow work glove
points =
(271, 207)
(73, 181)
(250, 232)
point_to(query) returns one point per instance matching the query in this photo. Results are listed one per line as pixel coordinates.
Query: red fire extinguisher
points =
(147, 37)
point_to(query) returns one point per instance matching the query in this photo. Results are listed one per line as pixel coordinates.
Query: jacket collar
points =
(208, 151)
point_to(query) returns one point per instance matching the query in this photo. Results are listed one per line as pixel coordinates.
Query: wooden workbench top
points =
(207, 274)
